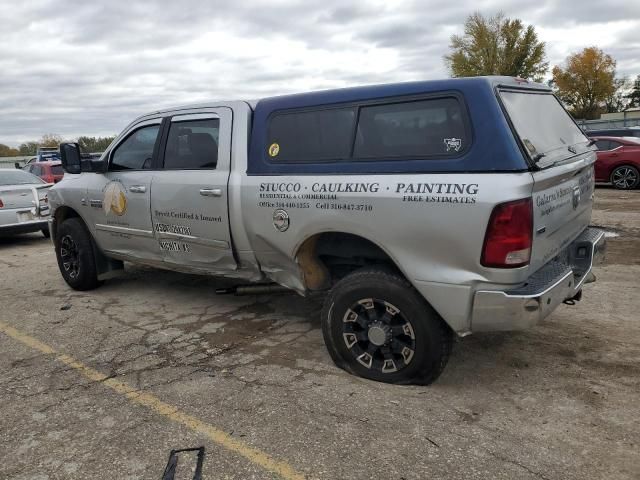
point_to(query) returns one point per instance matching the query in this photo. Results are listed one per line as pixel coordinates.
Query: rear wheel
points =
(74, 251)
(625, 177)
(377, 326)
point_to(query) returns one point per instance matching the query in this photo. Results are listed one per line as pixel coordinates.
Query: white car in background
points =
(24, 204)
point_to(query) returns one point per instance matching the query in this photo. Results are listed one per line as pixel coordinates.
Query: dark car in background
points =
(618, 161)
(614, 132)
(50, 172)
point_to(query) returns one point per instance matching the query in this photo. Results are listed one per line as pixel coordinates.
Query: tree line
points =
(27, 149)
(586, 83)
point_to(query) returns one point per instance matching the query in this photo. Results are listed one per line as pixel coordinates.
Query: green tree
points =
(617, 101)
(50, 140)
(28, 148)
(497, 46)
(634, 95)
(7, 151)
(586, 82)
(94, 144)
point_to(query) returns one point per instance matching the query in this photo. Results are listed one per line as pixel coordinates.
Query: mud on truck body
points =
(424, 210)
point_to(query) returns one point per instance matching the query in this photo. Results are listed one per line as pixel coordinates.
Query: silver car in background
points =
(24, 204)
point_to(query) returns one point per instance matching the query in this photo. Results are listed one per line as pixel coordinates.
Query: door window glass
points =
(603, 145)
(136, 152)
(192, 145)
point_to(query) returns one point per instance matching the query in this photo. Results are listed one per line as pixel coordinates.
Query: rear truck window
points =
(311, 136)
(547, 132)
(411, 129)
(399, 130)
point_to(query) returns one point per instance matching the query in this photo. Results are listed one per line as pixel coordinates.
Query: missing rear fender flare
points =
(315, 274)
(326, 258)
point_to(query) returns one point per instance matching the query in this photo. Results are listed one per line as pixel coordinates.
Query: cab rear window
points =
(416, 129)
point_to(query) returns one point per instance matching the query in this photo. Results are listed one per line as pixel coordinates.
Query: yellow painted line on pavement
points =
(218, 436)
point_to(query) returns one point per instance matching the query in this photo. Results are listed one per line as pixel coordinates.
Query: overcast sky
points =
(76, 67)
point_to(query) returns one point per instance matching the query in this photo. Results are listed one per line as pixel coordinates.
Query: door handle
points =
(211, 192)
(137, 188)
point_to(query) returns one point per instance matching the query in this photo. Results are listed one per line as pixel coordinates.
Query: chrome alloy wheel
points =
(69, 256)
(624, 177)
(378, 335)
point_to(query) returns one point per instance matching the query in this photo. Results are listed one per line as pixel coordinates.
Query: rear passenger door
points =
(609, 159)
(189, 208)
(602, 164)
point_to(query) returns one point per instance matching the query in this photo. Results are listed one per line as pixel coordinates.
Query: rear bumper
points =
(559, 280)
(25, 227)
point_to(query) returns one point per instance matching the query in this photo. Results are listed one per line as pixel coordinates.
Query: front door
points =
(189, 198)
(120, 200)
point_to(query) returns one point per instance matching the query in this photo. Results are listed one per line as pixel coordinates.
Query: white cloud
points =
(87, 68)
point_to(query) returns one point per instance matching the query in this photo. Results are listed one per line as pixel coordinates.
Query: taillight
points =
(1, 204)
(507, 243)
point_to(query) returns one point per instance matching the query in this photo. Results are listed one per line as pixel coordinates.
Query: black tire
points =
(74, 251)
(371, 306)
(625, 177)
(45, 232)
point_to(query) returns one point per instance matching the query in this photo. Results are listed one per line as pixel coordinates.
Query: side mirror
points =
(75, 162)
(90, 163)
(70, 156)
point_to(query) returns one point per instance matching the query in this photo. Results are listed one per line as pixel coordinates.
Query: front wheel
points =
(625, 177)
(377, 326)
(74, 252)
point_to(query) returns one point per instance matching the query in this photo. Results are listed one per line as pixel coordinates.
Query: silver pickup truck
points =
(424, 210)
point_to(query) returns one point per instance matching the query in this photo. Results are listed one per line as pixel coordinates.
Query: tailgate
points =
(561, 161)
(562, 202)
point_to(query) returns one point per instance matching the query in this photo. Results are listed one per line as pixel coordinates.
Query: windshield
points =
(17, 177)
(545, 128)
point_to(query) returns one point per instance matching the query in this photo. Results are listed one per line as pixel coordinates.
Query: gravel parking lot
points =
(103, 384)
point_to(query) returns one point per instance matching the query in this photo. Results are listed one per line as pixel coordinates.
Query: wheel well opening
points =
(325, 258)
(61, 214)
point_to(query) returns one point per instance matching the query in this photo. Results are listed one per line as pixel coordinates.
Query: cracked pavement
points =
(560, 401)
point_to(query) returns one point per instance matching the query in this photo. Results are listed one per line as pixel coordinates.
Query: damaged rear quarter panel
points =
(431, 225)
